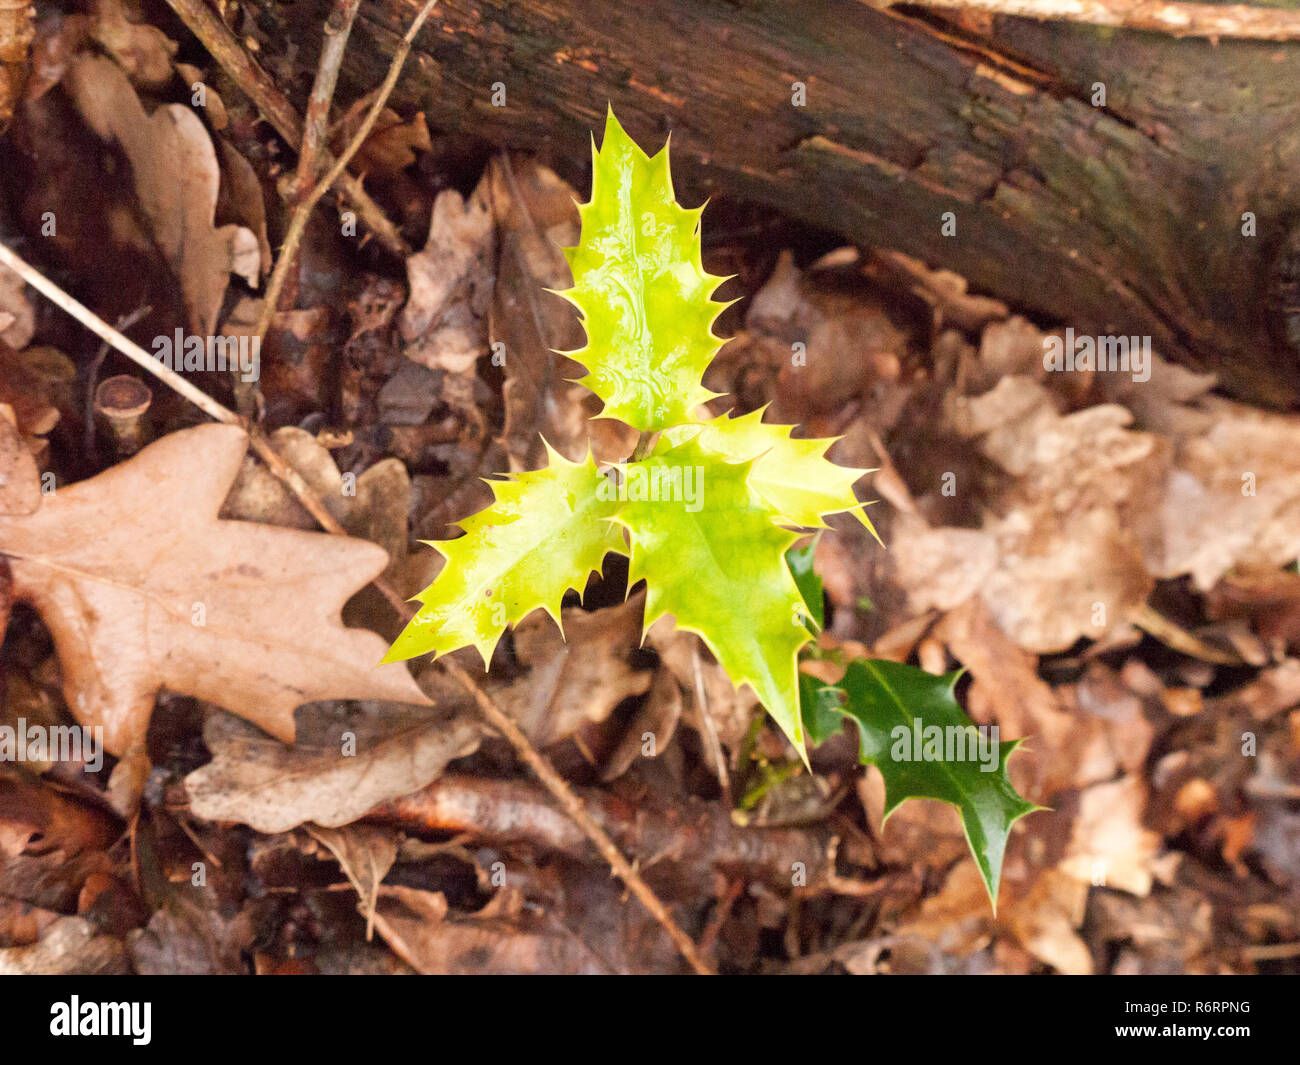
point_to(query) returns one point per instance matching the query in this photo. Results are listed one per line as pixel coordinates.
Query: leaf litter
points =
(1111, 561)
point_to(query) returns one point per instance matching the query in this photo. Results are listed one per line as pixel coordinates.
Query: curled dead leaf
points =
(444, 322)
(348, 760)
(177, 180)
(576, 677)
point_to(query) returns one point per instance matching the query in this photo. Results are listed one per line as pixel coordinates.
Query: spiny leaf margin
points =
(879, 696)
(544, 534)
(642, 289)
(721, 573)
(790, 474)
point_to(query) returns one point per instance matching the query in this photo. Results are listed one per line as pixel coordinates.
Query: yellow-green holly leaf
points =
(713, 557)
(793, 477)
(642, 289)
(546, 533)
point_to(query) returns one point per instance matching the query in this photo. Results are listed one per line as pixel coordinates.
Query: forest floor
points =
(1110, 556)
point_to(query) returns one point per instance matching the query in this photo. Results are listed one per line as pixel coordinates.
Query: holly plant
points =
(706, 509)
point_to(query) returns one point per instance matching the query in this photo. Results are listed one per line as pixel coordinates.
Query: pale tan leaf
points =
(417, 927)
(177, 180)
(143, 588)
(144, 51)
(536, 215)
(17, 317)
(444, 322)
(365, 853)
(20, 489)
(347, 760)
(1109, 845)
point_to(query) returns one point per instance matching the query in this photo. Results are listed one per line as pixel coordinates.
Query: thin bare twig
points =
(573, 806)
(261, 445)
(1240, 21)
(644, 444)
(345, 120)
(338, 28)
(276, 109)
(1153, 623)
(1271, 951)
(214, 410)
(124, 344)
(707, 727)
(843, 885)
(727, 902)
(302, 212)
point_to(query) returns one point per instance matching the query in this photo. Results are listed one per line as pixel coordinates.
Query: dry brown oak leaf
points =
(144, 588)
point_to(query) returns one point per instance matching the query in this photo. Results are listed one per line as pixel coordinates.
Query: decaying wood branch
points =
(1097, 177)
(17, 30)
(696, 838)
(1177, 19)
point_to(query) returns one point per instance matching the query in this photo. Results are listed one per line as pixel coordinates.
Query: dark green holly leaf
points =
(911, 728)
(800, 561)
(822, 708)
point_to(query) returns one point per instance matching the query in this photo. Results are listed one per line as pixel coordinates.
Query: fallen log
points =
(1120, 181)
